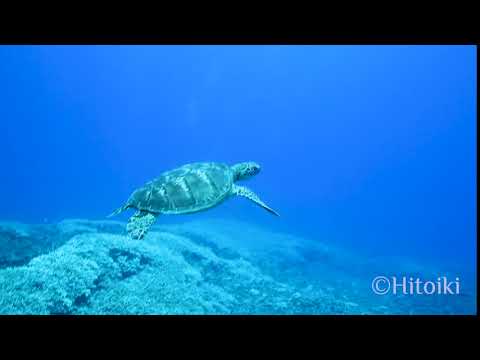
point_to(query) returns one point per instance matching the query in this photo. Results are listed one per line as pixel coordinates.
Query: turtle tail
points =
(119, 210)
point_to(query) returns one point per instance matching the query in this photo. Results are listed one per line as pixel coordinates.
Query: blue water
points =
(372, 148)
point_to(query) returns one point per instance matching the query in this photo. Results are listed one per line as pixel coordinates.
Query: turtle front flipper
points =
(139, 224)
(249, 194)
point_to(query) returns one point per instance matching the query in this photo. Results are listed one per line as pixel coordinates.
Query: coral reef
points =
(202, 267)
(101, 273)
(19, 243)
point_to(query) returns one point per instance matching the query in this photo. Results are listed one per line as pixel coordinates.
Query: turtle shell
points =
(187, 189)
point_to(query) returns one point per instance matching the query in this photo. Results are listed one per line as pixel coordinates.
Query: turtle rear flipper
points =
(139, 224)
(119, 210)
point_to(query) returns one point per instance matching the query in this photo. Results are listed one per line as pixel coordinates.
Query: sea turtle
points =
(188, 189)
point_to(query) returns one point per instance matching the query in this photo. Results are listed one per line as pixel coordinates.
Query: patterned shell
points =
(187, 189)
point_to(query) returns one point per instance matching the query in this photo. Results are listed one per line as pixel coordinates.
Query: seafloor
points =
(199, 267)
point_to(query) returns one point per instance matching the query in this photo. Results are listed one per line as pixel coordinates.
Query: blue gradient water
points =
(369, 147)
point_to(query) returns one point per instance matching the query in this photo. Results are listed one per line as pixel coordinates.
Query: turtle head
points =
(245, 170)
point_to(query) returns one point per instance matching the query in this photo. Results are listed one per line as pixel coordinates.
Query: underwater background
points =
(367, 152)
